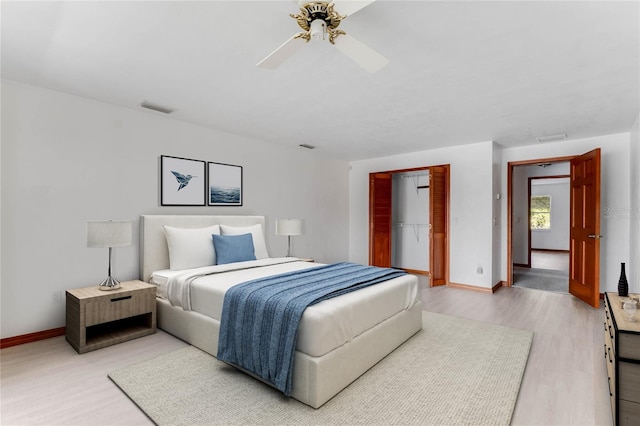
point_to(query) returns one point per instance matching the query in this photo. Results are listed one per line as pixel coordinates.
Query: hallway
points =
(549, 271)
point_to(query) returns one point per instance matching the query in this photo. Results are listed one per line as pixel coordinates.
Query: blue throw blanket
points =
(258, 329)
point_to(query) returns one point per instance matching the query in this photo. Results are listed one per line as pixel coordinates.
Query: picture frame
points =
(182, 181)
(224, 185)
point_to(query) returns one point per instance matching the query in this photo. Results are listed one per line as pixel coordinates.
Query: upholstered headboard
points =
(154, 253)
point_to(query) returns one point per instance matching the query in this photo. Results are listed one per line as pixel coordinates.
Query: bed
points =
(339, 339)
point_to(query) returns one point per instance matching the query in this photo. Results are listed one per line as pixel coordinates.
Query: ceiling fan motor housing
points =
(318, 10)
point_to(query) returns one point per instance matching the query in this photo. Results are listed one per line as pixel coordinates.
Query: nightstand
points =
(98, 318)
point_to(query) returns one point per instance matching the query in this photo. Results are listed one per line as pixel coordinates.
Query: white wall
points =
(471, 198)
(473, 191)
(633, 270)
(498, 225)
(66, 160)
(556, 238)
(615, 187)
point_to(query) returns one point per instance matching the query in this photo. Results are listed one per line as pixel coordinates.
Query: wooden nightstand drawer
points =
(119, 306)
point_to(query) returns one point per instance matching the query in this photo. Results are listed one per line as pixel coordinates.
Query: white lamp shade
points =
(109, 233)
(288, 227)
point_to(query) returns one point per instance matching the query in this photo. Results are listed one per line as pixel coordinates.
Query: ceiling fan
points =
(320, 20)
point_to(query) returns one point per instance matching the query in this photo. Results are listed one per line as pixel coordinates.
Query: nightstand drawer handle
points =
(117, 299)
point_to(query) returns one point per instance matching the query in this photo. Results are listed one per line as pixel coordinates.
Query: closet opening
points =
(408, 221)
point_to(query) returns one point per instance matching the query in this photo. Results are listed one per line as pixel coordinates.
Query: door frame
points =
(447, 230)
(510, 166)
(531, 179)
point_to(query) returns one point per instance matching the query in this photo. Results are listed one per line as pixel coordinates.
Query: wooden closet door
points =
(380, 225)
(438, 215)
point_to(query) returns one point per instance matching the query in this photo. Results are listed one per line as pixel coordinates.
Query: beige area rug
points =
(453, 372)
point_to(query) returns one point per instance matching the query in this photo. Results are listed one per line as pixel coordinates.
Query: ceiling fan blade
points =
(362, 54)
(282, 53)
(349, 7)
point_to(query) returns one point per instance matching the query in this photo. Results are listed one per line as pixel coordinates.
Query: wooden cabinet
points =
(98, 318)
(622, 355)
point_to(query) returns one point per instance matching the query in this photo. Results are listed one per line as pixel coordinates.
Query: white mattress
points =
(324, 326)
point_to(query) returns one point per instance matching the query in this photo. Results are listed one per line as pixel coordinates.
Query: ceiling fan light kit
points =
(319, 19)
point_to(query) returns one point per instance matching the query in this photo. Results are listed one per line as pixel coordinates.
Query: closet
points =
(408, 221)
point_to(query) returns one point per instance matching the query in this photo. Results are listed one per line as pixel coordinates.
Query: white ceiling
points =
(459, 72)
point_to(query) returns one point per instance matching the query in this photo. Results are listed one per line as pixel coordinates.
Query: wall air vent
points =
(552, 138)
(306, 145)
(156, 107)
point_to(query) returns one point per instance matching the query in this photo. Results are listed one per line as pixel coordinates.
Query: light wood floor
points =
(565, 383)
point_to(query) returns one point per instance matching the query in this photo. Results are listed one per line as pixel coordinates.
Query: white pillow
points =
(191, 247)
(259, 245)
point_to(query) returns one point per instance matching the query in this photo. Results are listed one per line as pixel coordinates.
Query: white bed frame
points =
(315, 379)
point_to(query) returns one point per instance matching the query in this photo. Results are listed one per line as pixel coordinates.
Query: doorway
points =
(584, 223)
(541, 201)
(414, 240)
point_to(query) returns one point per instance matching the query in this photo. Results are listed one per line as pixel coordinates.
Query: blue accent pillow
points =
(233, 248)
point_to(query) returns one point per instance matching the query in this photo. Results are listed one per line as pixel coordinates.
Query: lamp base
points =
(109, 283)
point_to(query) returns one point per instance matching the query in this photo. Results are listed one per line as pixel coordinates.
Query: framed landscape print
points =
(225, 185)
(182, 181)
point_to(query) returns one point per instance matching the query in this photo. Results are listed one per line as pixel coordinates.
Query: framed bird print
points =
(182, 181)
(225, 185)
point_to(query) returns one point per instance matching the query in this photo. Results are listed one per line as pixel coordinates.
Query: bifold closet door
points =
(380, 204)
(438, 183)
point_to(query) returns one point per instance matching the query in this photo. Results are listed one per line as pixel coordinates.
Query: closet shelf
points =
(415, 177)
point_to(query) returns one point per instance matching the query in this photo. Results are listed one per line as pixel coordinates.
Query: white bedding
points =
(324, 326)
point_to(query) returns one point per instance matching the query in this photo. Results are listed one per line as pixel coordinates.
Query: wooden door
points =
(438, 214)
(584, 256)
(380, 203)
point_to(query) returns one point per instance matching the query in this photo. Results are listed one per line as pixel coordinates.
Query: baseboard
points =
(31, 337)
(522, 265)
(498, 286)
(470, 287)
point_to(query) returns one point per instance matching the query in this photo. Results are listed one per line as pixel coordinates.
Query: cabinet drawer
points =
(611, 373)
(629, 346)
(629, 413)
(118, 306)
(629, 381)
(609, 329)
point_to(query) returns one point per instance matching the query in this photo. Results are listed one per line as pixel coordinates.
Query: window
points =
(541, 212)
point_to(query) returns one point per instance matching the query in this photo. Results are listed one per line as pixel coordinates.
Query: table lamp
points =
(289, 227)
(109, 234)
